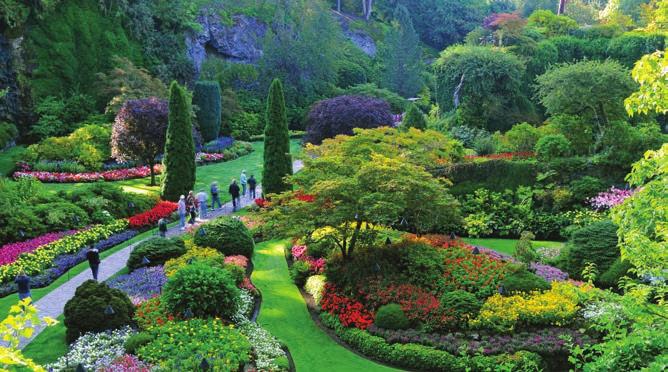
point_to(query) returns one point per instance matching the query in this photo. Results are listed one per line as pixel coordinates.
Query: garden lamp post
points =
(80, 368)
(204, 365)
(388, 241)
(188, 314)
(145, 261)
(201, 231)
(109, 311)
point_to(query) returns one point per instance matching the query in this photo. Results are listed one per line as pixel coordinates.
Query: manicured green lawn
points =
(285, 315)
(508, 245)
(221, 172)
(49, 345)
(8, 159)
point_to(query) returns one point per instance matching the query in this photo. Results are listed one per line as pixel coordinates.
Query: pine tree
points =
(179, 160)
(414, 118)
(206, 97)
(277, 159)
(401, 55)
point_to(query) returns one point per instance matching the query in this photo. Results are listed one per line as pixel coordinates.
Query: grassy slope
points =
(507, 245)
(285, 315)
(221, 172)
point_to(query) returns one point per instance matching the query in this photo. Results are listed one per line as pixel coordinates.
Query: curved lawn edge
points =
(284, 313)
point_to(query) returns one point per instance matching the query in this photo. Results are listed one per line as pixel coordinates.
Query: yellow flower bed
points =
(556, 307)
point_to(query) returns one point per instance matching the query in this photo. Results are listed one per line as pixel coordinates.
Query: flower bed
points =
(10, 252)
(150, 218)
(152, 313)
(111, 175)
(608, 199)
(142, 284)
(349, 311)
(38, 260)
(94, 351)
(316, 266)
(504, 155)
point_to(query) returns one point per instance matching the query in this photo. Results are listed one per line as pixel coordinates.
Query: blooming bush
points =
(142, 284)
(238, 260)
(610, 198)
(316, 266)
(554, 307)
(150, 218)
(95, 350)
(349, 311)
(180, 346)
(10, 252)
(548, 272)
(315, 285)
(152, 313)
(127, 363)
(475, 273)
(417, 304)
(34, 262)
(298, 252)
(195, 254)
(111, 175)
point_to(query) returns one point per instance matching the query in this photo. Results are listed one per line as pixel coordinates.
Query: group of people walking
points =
(194, 204)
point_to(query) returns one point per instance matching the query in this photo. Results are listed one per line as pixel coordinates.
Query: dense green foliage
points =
(179, 160)
(207, 99)
(464, 305)
(402, 57)
(207, 291)
(87, 310)
(523, 281)
(157, 251)
(391, 316)
(227, 235)
(414, 118)
(277, 159)
(596, 243)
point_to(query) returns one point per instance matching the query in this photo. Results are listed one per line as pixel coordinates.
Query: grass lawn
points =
(285, 315)
(49, 345)
(8, 159)
(508, 245)
(221, 172)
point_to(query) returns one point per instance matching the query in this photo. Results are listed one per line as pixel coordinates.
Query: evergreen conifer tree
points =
(277, 159)
(179, 160)
(206, 97)
(402, 55)
(414, 118)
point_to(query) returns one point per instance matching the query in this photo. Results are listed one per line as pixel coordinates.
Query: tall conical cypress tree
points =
(414, 118)
(206, 96)
(277, 159)
(179, 160)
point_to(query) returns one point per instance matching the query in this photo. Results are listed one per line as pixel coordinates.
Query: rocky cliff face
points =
(9, 104)
(241, 42)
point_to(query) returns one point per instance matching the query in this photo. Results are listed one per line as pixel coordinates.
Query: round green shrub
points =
(391, 316)
(207, 291)
(228, 235)
(523, 281)
(618, 269)
(595, 243)
(134, 342)
(157, 251)
(463, 305)
(349, 74)
(553, 146)
(86, 311)
(61, 216)
(299, 272)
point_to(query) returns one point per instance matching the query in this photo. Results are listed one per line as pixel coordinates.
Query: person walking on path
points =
(244, 181)
(191, 204)
(214, 196)
(182, 212)
(202, 199)
(252, 183)
(162, 227)
(234, 192)
(93, 256)
(23, 283)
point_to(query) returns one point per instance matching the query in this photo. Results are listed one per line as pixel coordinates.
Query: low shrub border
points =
(414, 356)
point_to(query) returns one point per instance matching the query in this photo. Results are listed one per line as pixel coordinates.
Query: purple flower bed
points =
(142, 284)
(610, 198)
(543, 341)
(549, 273)
(11, 251)
(65, 262)
(217, 145)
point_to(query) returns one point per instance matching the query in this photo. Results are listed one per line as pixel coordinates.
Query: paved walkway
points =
(53, 304)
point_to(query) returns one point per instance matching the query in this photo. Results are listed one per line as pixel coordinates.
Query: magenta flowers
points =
(10, 252)
(610, 198)
(112, 175)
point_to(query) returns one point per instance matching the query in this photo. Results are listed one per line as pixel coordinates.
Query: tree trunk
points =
(152, 165)
(353, 240)
(368, 10)
(562, 7)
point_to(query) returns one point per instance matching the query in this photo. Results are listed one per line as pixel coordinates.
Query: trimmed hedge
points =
(424, 358)
(227, 235)
(157, 251)
(595, 243)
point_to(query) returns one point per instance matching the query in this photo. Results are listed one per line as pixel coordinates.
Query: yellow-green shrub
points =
(194, 254)
(314, 286)
(556, 306)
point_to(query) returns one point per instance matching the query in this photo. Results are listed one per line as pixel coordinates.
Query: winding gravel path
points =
(53, 304)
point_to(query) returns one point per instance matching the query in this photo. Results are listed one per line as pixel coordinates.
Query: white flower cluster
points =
(266, 346)
(596, 310)
(314, 286)
(94, 350)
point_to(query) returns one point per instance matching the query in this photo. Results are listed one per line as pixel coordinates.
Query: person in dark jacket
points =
(93, 256)
(191, 204)
(234, 191)
(23, 283)
(252, 183)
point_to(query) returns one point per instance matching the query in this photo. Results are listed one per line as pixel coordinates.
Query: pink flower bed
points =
(112, 175)
(317, 266)
(11, 252)
(240, 261)
(610, 198)
(205, 157)
(298, 252)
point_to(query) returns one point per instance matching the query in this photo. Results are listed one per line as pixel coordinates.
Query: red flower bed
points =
(299, 195)
(112, 175)
(472, 272)
(262, 203)
(504, 155)
(351, 313)
(150, 218)
(417, 304)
